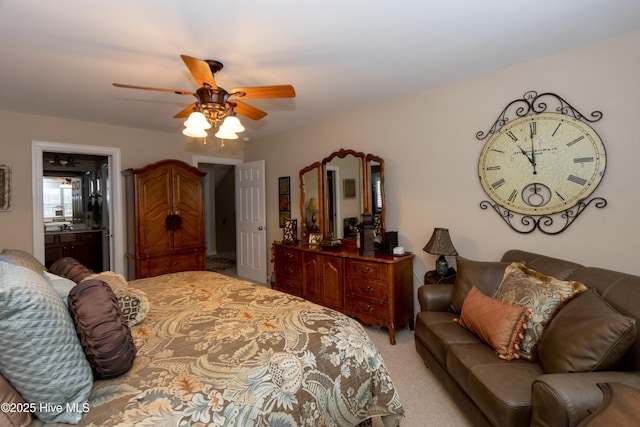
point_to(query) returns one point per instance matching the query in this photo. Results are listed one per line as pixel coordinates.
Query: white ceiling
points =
(59, 58)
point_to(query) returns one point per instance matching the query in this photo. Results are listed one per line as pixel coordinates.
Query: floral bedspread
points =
(216, 351)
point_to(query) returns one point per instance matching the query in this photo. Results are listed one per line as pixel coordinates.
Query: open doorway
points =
(220, 213)
(109, 252)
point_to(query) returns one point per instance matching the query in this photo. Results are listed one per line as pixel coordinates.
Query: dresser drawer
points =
(370, 270)
(288, 264)
(373, 289)
(290, 286)
(369, 311)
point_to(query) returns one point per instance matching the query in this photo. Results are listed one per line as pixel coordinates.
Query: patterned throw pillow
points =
(41, 355)
(133, 302)
(542, 295)
(495, 322)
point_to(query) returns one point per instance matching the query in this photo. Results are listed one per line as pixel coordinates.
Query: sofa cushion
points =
(486, 276)
(586, 335)
(436, 331)
(41, 355)
(542, 295)
(500, 388)
(497, 323)
(102, 329)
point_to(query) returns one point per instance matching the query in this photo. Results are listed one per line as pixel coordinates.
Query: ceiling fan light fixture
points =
(224, 134)
(197, 120)
(232, 124)
(195, 132)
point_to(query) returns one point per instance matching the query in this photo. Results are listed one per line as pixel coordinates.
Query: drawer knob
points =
(365, 307)
(288, 269)
(363, 269)
(367, 288)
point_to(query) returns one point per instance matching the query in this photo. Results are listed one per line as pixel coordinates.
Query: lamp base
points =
(442, 266)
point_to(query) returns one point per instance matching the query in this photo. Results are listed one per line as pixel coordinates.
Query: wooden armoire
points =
(165, 219)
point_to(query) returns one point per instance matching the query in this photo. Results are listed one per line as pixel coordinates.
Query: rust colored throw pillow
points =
(543, 295)
(71, 269)
(495, 322)
(103, 331)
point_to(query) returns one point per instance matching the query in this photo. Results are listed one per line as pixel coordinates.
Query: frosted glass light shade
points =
(195, 132)
(197, 120)
(223, 134)
(232, 124)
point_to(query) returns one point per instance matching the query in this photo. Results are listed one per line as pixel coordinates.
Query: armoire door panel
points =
(154, 206)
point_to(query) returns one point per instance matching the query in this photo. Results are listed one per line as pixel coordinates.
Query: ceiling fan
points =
(214, 104)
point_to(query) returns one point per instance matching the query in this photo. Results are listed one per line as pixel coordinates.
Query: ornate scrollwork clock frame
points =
(540, 163)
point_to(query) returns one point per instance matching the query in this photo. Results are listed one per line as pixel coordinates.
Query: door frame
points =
(115, 206)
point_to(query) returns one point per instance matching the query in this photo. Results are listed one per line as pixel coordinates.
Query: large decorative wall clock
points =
(541, 163)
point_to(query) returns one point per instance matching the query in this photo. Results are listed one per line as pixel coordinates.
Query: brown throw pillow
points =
(542, 295)
(586, 335)
(486, 276)
(71, 269)
(102, 329)
(496, 323)
(10, 396)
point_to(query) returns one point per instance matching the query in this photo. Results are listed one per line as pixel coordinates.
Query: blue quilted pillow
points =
(40, 353)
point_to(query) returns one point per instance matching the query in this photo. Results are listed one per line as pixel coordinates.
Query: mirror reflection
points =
(344, 197)
(310, 199)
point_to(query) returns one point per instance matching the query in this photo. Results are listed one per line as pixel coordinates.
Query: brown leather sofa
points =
(496, 392)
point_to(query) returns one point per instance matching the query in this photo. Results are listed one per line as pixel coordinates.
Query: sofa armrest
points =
(435, 297)
(566, 399)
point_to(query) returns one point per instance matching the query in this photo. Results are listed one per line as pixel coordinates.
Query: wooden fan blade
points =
(200, 70)
(185, 113)
(157, 89)
(247, 110)
(281, 91)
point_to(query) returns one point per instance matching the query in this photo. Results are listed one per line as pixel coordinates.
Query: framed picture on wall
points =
(284, 184)
(5, 188)
(349, 188)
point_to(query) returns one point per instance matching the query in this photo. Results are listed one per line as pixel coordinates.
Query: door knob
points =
(262, 228)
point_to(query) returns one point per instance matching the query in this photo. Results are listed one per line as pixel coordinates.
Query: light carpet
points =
(426, 402)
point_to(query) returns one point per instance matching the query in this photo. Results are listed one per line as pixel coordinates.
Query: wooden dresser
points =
(376, 290)
(165, 219)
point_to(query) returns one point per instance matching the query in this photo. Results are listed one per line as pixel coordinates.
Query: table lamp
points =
(440, 244)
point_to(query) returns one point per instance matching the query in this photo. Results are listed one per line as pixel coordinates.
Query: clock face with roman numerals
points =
(542, 164)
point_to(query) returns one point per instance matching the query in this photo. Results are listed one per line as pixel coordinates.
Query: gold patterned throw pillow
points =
(542, 295)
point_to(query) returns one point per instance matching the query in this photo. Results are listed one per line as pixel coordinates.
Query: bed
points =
(218, 351)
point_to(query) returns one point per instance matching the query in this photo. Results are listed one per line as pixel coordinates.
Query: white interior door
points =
(251, 242)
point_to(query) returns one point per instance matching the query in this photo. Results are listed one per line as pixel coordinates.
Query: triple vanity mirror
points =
(336, 191)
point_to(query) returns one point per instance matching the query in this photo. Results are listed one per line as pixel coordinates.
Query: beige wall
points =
(431, 156)
(138, 148)
(430, 151)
